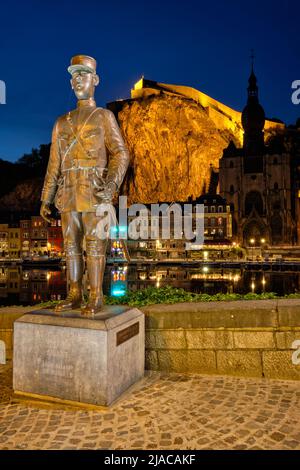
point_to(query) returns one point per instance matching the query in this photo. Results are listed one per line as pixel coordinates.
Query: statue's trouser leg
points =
(73, 234)
(95, 260)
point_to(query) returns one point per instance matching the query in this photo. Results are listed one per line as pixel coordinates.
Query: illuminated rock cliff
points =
(172, 143)
(175, 136)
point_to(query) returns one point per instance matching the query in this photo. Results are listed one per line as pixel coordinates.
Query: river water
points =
(26, 286)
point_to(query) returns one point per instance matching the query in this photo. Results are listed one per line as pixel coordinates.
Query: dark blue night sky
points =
(205, 45)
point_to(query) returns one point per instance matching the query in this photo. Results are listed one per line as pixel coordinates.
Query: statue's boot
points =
(95, 267)
(74, 298)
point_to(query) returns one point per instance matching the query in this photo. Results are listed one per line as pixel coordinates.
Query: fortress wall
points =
(223, 116)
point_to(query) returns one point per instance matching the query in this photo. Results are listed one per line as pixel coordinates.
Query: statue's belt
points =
(83, 164)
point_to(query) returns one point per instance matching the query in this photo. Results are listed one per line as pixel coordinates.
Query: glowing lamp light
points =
(252, 241)
(205, 269)
(118, 292)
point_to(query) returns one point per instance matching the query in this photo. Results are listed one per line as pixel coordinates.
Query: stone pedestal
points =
(71, 358)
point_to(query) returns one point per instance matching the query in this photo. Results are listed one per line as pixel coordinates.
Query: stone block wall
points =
(7, 317)
(243, 338)
(247, 338)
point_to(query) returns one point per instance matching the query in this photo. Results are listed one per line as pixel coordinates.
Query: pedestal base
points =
(71, 358)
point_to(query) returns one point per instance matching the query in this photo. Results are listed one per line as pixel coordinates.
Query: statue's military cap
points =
(82, 62)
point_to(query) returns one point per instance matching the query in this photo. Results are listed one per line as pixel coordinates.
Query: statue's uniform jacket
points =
(86, 143)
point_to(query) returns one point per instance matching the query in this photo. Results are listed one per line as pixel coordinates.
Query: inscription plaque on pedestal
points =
(71, 358)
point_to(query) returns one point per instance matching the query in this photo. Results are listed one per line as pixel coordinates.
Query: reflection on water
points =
(210, 280)
(21, 286)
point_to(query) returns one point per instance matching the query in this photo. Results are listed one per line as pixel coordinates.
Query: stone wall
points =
(7, 317)
(245, 338)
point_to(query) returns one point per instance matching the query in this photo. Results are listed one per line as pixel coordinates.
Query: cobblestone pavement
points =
(163, 411)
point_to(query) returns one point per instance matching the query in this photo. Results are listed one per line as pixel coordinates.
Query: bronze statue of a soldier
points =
(88, 161)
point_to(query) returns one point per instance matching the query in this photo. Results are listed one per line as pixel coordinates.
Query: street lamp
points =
(252, 241)
(262, 242)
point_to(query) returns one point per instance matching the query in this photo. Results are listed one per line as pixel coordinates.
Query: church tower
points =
(256, 180)
(253, 120)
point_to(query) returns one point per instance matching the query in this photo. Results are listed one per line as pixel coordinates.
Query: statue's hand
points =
(106, 193)
(45, 211)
